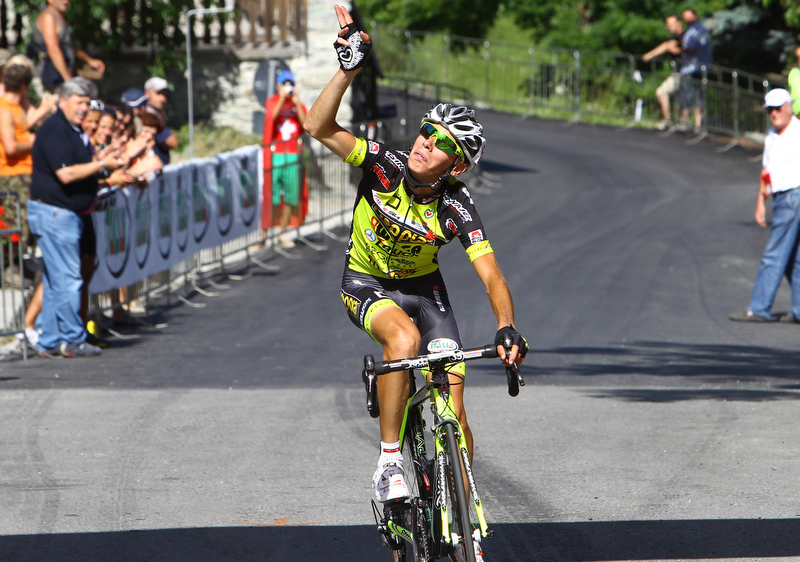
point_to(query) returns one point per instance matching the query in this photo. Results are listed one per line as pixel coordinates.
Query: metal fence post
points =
(447, 59)
(532, 53)
(577, 102)
(487, 55)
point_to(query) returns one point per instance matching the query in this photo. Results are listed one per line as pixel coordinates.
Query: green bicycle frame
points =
(444, 413)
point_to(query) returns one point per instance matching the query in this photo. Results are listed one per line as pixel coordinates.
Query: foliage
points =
(466, 18)
(107, 25)
(745, 33)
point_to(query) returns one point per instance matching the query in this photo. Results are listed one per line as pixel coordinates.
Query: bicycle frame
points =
(434, 494)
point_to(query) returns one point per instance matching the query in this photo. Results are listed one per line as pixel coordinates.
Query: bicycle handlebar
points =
(372, 368)
(426, 361)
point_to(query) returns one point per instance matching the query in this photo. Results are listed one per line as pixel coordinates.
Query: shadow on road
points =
(711, 363)
(541, 542)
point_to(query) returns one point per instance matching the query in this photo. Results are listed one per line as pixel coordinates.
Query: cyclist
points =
(407, 206)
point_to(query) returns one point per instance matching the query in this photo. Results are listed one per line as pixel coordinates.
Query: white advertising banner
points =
(193, 206)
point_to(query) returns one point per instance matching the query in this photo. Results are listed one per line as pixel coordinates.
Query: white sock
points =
(390, 452)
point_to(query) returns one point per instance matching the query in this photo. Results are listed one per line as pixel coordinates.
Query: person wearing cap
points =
(156, 89)
(780, 178)
(284, 116)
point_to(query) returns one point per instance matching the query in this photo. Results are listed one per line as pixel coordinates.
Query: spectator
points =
(780, 177)
(145, 168)
(670, 86)
(124, 117)
(34, 115)
(105, 129)
(157, 89)
(16, 142)
(283, 126)
(63, 188)
(52, 38)
(794, 83)
(698, 54)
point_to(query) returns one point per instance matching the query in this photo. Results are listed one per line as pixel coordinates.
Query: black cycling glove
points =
(355, 54)
(516, 339)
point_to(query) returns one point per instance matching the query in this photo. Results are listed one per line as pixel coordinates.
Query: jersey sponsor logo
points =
(476, 236)
(381, 173)
(394, 160)
(457, 207)
(350, 303)
(451, 225)
(387, 205)
(404, 250)
(428, 214)
(370, 235)
(386, 228)
(374, 147)
(466, 192)
(442, 344)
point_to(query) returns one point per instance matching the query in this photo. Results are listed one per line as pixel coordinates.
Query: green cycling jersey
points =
(396, 235)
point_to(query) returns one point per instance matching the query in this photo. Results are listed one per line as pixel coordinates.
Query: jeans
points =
(779, 256)
(58, 234)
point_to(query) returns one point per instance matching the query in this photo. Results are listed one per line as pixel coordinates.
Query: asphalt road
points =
(651, 427)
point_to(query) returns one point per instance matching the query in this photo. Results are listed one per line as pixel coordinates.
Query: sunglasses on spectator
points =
(772, 108)
(96, 105)
(443, 141)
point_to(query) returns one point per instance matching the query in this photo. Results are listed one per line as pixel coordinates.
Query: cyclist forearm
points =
(496, 289)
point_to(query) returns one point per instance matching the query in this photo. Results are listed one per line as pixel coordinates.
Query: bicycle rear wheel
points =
(462, 549)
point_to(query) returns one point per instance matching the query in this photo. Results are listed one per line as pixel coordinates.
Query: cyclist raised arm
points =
(408, 205)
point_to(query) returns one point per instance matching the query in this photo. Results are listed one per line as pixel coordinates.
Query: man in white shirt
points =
(780, 177)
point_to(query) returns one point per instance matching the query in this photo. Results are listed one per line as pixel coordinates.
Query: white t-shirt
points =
(782, 157)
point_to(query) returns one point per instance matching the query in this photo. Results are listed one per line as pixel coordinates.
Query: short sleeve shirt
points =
(782, 157)
(697, 48)
(392, 235)
(59, 144)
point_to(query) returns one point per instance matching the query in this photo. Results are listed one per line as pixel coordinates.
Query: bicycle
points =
(435, 521)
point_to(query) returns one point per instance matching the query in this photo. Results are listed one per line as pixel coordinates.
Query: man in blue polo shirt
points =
(63, 189)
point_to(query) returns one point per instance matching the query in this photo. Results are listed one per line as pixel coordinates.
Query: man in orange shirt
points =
(16, 142)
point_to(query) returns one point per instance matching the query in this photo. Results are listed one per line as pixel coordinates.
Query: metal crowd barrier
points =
(617, 88)
(331, 192)
(12, 277)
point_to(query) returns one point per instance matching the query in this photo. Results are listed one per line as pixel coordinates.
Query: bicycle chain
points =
(422, 529)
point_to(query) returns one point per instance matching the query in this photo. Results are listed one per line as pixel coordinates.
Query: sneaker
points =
(476, 542)
(286, 242)
(748, 316)
(664, 125)
(788, 319)
(31, 335)
(682, 127)
(79, 350)
(390, 482)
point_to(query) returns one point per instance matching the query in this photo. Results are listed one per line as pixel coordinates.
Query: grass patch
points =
(210, 141)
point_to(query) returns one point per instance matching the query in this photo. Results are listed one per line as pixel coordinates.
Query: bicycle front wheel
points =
(462, 547)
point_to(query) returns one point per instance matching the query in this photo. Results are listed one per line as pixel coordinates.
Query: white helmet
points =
(461, 123)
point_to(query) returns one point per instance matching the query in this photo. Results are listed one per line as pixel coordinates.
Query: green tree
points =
(110, 24)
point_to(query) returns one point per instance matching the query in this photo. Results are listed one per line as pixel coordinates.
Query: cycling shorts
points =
(423, 298)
